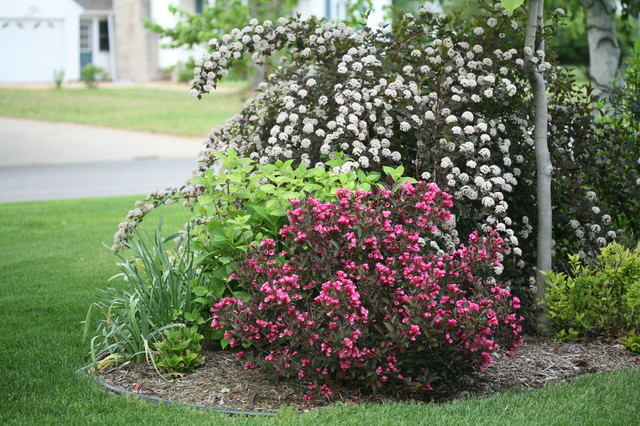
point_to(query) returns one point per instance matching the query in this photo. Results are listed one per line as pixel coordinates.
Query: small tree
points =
(544, 168)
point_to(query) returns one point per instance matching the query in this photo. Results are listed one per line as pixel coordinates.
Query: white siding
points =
(308, 8)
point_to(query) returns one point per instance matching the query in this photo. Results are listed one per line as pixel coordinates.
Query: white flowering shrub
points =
(448, 100)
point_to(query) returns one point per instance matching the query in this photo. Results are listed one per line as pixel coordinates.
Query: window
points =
(85, 36)
(103, 34)
(199, 6)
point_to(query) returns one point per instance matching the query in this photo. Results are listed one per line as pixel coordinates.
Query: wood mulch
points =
(222, 381)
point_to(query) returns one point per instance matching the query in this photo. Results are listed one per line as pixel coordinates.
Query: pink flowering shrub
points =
(360, 289)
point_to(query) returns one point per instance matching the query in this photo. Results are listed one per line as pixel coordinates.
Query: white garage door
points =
(30, 50)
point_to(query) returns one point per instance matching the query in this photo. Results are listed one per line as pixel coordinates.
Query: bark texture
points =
(605, 56)
(544, 167)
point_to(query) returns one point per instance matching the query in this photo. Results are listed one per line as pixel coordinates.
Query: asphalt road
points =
(48, 161)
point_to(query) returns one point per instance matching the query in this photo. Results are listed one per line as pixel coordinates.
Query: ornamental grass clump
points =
(363, 289)
(158, 295)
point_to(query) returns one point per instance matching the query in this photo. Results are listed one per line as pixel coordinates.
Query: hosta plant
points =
(179, 351)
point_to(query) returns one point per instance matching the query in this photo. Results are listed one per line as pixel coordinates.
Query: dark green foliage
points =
(616, 174)
(571, 49)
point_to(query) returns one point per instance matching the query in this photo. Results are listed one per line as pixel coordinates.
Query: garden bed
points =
(222, 381)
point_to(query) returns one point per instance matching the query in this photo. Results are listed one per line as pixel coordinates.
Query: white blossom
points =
(446, 163)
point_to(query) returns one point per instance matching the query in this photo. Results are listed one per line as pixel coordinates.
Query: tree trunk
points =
(543, 158)
(605, 57)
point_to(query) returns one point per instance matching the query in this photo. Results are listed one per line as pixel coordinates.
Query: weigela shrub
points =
(360, 289)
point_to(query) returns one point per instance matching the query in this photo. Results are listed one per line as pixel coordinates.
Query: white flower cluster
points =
(142, 208)
(448, 105)
(340, 90)
(588, 232)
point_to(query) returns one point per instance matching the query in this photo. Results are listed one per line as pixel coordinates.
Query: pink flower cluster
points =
(360, 292)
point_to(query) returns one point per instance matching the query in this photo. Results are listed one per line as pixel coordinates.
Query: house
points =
(36, 38)
(39, 37)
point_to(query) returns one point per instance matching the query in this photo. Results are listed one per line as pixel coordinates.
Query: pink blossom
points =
(326, 390)
(361, 272)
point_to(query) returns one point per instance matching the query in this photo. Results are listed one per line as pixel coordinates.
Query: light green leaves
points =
(599, 300)
(511, 5)
(248, 202)
(397, 174)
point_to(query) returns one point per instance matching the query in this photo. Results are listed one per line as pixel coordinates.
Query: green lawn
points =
(145, 109)
(580, 72)
(51, 265)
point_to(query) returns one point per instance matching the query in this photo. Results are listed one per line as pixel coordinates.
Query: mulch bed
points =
(222, 381)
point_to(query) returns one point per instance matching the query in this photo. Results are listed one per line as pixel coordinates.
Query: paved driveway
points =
(45, 161)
